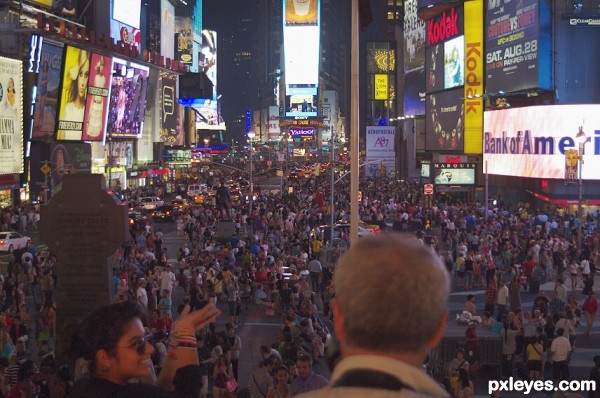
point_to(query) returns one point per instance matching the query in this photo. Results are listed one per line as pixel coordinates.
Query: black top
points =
(93, 387)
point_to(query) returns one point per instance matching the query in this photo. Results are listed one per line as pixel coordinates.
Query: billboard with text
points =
(11, 116)
(48, 82)
(414, 60)
(532, 141)
(518, 45)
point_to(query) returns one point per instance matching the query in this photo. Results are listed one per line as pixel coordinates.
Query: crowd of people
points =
(281, 261)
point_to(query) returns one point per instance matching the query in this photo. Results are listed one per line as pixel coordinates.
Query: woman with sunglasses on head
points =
(113, 339)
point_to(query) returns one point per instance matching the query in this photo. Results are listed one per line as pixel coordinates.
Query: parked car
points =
(151, 202)
(165, 213)
(11, 240)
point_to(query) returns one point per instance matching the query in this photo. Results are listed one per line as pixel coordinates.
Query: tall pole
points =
(579, 203)
(332, 197)
(581, 138)
(250, 137)
(354, 126)
(487, 190)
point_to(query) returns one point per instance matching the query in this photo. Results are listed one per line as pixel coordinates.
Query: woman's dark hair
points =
(101, 329)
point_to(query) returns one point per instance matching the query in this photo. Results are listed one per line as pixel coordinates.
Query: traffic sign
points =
(45, 168)
(428, 189)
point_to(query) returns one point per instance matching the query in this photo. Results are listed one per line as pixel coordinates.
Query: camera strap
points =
(368, 378)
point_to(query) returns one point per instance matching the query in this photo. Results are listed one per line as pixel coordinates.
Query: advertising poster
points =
(11, 116)
(97, 98)
(571, 163)
(532, 142)
(414, 60)
(185, 42)
(208, 116)
(301, 12)
(517, 46)
(127, 99)
(73, 94)
(444, 121)
(48, 82)
(380, 142)
(207, 61)
(168, 118)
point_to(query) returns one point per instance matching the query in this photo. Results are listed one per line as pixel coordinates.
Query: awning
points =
(565, 201)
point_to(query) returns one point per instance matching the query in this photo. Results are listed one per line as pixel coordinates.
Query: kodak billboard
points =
(474, 69)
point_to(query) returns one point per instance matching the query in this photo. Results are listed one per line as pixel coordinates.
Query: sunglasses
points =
(140, 344)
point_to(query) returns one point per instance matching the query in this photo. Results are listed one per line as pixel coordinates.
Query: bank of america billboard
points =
(518, 45)
(301, 34)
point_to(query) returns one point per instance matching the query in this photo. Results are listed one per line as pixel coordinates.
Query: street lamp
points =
(581, 139)
(251, 135)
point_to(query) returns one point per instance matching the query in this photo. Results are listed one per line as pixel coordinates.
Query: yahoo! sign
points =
(444, 27)
(302, 132)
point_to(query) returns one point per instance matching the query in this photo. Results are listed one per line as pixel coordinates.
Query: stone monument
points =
(83, 225)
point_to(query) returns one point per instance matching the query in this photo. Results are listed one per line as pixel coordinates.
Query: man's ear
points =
(439, 331)
(338, 321)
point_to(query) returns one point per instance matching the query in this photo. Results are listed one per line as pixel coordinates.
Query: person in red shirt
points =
(590, 308)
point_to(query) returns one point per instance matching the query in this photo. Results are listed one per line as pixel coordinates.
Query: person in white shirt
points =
(141, 295)
(167, 279)
(560, 349)
(502, 298)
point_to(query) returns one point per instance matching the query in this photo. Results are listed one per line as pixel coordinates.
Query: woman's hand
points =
(196, 320)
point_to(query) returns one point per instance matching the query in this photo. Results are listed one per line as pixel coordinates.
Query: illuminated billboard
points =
(207, 61)
(11, 116)
(454, 61)
(127, 12)
(301, 34)
(48, 82)
(73, 95)
(208, 115)
(96, 109)
(127, 99)
(518, 45)
(454, 173)
(414, 60)
(532, 141)
(168, 107)
(167, 29)
(445, 121)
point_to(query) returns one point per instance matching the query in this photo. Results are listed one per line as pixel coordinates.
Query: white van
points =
(196, 189)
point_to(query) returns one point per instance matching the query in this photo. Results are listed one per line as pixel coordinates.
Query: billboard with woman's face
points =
(73, 94)
(97, 98)
(11, 116)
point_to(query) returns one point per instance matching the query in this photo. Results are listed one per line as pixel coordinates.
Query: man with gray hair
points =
(383, 350)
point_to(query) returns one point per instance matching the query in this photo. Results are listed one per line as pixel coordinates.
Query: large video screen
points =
(454, 62)
(301, 35)
(531, 142)
(207, 59)
(414, 60)
(127, 99)
(127, 12)
(48, 82)
(301, 102)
